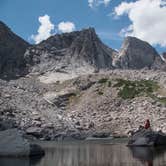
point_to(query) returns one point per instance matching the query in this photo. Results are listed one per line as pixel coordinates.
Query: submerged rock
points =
(12, 143)
(147, 137)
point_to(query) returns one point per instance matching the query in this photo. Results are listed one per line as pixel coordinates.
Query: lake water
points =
(92, 154)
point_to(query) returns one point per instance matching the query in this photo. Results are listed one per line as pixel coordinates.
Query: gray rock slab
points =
(12, 143)
(147, 137)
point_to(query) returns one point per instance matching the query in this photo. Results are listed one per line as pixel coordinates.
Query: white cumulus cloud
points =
(95, 3)
(148, 20)
(45, 29)
(66, 27)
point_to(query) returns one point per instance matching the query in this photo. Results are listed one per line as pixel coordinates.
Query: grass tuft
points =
(103, 80)
(131, 89)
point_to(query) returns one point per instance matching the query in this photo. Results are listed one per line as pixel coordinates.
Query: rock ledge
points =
(12, 143)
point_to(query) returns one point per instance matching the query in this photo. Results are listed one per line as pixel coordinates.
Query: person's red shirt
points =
(147, 124)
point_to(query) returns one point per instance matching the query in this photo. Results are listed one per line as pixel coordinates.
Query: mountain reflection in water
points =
(93, 154)
(150, 156)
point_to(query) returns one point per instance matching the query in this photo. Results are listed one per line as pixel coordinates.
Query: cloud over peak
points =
(66, 27)
(45, 29)
(148, 20)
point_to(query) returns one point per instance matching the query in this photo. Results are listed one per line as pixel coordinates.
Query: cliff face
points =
(70, 50)
(12, 49)
(136, 54)
(164, 55)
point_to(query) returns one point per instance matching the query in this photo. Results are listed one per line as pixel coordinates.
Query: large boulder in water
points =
(13, 143)
(147, 137)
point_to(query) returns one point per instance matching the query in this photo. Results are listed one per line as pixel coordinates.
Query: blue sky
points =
(22, 17)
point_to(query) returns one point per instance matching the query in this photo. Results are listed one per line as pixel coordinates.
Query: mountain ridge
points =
(72, 52)
(12, 48)
(136, 54)
(79, 48)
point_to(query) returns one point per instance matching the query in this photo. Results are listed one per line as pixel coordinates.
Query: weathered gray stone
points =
(35, 131)
(6, 124)
(136, 54)
(164, 55)
(12, 143)
(60, 99)
(12, 49)
(147, 137)
(70, 50)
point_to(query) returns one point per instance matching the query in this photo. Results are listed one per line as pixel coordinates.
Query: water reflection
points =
(4, 161)
(148, 155)
(92, 154)
(101, 155)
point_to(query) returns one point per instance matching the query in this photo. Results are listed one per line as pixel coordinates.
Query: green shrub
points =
(109, 83)
(103, 80)
(131, 89)
(162, 100)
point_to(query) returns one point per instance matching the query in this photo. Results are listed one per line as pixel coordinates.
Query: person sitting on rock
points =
(147, 124)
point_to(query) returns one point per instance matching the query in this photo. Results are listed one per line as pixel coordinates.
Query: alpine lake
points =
(92, 153)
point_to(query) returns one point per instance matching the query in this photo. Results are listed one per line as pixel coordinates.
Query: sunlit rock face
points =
(136, 54)
(12, 49)
(70, 51)
(164, 55)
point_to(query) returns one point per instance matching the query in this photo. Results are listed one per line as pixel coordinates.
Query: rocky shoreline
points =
(80, 107)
